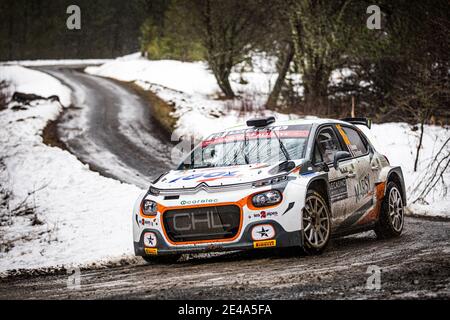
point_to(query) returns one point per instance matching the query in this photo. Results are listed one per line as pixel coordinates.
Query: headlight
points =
(149, 207)
(266, 198)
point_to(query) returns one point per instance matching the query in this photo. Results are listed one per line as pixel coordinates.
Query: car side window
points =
(357, 145)
(328, 144)
(317, 157)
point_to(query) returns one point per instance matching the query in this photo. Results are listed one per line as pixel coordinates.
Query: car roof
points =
(309, 120)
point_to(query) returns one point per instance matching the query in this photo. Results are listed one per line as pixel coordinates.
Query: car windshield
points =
(268, 145)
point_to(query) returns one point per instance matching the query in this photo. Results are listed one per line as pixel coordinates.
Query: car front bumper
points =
(282, 238)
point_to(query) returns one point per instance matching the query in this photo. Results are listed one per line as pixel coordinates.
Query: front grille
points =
(206, 223)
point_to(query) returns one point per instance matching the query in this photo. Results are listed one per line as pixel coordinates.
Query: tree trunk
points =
(222, 75)
(274, 95)
(419, 146)
(225, 86)
(315, 84)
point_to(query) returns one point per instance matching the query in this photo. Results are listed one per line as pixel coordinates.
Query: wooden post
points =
(353, 107)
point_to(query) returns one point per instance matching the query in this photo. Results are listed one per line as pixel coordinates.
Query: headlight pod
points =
(266, 182)
(149, 207)
(267, 198)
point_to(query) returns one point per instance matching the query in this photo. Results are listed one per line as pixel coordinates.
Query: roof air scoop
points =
(260, 122)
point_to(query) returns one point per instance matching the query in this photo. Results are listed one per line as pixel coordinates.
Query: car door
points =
(361, 179)
(327, 144)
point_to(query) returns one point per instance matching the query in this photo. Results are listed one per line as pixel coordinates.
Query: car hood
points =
(219, 176)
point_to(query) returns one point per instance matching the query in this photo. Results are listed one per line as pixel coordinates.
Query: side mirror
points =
(323, 166)
(340, 155)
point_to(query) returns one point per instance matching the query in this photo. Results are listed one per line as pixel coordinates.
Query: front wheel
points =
(390, 222)
(316, 223)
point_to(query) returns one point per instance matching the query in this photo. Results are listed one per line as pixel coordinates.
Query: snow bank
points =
(78, 216)
(192, 89)
(68, 62)
(399, 143)
(29, 81)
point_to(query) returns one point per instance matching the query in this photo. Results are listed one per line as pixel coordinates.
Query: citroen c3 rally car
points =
(271, 184)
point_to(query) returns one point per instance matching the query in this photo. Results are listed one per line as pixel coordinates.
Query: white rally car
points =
(271, 184)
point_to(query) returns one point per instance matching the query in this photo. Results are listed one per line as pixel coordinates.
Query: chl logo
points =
(189, 222)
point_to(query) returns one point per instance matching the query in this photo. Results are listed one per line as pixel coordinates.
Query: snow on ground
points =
(192, 89)
(77, 216)
(29, 81)
(399, 142)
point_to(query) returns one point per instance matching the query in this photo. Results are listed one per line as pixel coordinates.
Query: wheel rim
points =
(396, 209)
(316, 222)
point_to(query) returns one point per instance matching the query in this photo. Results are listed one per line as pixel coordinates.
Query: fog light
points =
(150, 239)
(263, 232)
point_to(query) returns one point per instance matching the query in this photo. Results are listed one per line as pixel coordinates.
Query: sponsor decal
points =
(149, 223)
(265, 244)
(151, 251)
(338, 189)
(211, 176)
(294, 131)
(362, 188)
(259, 166)
(265, 214)
(263, 232)
(201, 201)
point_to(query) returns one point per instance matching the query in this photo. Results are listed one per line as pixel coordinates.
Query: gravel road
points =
(416, 265)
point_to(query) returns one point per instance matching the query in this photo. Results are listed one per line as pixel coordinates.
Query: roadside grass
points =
(163, 111)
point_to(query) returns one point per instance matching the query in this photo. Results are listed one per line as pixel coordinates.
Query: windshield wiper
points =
(282, 147)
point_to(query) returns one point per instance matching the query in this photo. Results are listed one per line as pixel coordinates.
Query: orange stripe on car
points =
(343, 134)
(374, 213)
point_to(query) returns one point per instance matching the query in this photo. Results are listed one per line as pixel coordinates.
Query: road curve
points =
(415, 265)
(111, 128)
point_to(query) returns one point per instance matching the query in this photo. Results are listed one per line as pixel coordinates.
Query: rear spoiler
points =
(362, 121)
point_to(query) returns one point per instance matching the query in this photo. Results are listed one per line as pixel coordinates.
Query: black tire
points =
(391, 220)
(313, 243)
(172, 258)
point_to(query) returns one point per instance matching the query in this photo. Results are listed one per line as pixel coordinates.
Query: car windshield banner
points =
(282, 132)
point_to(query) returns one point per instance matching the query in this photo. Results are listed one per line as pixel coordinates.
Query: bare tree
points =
(326, 35)
(422, 90)
(3, 94)
(227, 30)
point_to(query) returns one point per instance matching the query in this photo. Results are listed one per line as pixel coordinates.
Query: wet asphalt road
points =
(416, 265)
(111, 128)
(131, 148)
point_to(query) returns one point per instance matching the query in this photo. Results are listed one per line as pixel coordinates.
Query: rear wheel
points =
(390, 222)
(162, 259)
(316, 223)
